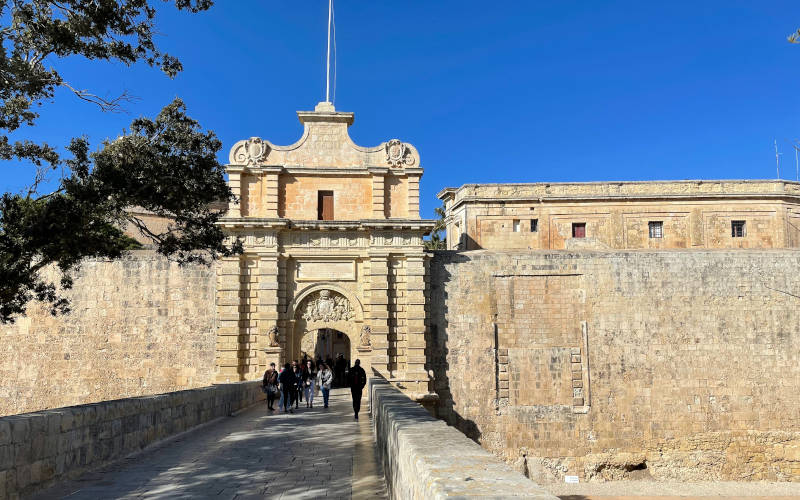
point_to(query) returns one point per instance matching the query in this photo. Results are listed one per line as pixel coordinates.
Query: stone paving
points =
(313, 453)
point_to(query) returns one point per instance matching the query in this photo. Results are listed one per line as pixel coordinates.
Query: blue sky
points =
(487, 91)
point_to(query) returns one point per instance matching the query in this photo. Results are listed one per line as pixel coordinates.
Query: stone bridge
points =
(222, 442)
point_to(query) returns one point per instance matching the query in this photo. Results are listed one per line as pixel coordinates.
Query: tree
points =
(436, 242)
(166, 165)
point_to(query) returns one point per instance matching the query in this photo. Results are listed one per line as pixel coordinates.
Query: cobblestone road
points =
(314, 453)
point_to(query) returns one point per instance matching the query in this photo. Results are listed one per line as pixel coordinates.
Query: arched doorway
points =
(331, 346)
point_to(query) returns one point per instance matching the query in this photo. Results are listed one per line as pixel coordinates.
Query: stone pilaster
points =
(267, 313)
(415, 322)
(378, 283)
(378, 194)
(271, 186)
(228, 303)
(235, 183)
(413, 196)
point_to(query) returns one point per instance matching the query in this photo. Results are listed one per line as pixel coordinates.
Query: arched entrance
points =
(328, 321)
(331, 346)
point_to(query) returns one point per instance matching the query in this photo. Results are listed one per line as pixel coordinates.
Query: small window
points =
(516, 225)
(656, 229)
(738, 229)
(579, 230)
(325, 205)
(534, 225)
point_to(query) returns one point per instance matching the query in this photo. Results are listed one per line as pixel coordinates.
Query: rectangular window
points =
(579, 230)
(516, 225)
(738, 229)
(534, 225)
(656, 229)
(325, 205)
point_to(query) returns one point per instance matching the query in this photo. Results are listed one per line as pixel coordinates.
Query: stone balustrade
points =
(424, 458)
(38, 449)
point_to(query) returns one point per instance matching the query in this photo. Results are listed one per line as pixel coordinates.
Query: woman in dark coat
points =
(288, 382)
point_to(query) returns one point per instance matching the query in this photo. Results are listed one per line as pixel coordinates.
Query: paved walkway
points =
(258, 454)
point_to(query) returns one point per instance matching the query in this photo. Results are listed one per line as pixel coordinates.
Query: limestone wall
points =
(671, 364)
(38, 449)
(425, 459)
(138, 326)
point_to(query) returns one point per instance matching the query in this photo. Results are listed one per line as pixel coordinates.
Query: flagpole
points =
(328, 64)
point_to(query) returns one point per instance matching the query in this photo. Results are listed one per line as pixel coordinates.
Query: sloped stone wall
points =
(606, 365)
(138, 326)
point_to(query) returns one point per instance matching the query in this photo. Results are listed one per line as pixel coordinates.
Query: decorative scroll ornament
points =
(253, 151)
(366, 331)
(322, 306)
(273, 336)
(397, 154)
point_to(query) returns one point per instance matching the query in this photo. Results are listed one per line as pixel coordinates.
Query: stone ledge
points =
(42, 448)
(425, 458)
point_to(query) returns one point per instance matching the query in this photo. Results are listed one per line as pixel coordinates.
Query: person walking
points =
(309, 377)
(358, 379)
(288, 382)
(298, 388)
(270, 385)
(324, 381)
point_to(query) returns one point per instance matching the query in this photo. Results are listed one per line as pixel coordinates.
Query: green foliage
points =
(435, 241)
(794, 37)
(166, 166)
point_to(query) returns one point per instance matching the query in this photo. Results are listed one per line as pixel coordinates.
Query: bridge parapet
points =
(38, 449)
(425, 458)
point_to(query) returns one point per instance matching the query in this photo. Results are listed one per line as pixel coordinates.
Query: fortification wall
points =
(671, 364)
(138, 326)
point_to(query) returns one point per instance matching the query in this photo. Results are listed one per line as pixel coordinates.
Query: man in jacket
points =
(358, 379)
(270, 385)
(288, 382)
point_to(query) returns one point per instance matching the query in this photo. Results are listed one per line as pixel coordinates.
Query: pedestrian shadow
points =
(256, 454)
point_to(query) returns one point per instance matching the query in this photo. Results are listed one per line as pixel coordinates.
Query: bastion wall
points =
(671, 364)
(141, 325)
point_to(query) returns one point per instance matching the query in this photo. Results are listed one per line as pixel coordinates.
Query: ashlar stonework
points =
(333, 242)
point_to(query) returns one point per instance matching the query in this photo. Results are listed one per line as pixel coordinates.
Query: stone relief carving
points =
(397, 154)
(272, 334)
(366, 331)
(253, 151)
(327, 306)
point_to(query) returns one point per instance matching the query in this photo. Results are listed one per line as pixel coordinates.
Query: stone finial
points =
(325, 107)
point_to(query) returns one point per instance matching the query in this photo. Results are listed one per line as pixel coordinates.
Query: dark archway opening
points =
(331, 347)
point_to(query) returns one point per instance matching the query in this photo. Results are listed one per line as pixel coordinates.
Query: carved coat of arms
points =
(397, 154)
(328, 307)
(253, 151)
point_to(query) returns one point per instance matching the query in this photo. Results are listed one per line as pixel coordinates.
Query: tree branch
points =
(113, 105)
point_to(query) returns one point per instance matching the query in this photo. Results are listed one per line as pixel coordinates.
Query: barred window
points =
(534, 225)
(656, 229)
(738, 229)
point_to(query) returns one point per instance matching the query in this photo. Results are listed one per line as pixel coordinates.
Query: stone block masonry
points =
(423, 458)
(140, 325)
(38, 449)
(679, 365)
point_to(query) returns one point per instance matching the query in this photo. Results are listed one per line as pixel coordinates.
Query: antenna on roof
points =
(796, 164)
(777, 159)
(328, 59)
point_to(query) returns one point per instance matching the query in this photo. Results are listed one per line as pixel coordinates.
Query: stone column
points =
(415, 324)
(228, 303)
(378, 283)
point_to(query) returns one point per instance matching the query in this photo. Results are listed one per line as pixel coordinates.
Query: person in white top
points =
(324, 381)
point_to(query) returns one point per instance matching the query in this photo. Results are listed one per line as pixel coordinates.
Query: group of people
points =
(298, 380)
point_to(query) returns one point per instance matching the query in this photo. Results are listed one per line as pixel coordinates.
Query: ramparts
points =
(424, 458)
(38, 449)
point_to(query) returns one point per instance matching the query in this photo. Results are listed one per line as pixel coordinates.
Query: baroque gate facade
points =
(332, 242)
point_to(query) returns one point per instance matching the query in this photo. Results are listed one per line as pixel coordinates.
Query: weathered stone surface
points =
(138, 326)
(688, 360)
(423, 458)
(687, 214)
(43, 453)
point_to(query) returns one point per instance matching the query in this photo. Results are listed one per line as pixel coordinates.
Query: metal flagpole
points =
(328, 65)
